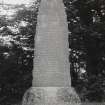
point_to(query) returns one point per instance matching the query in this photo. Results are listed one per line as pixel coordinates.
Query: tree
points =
(16, 51)
(87, 40)
(51, 73)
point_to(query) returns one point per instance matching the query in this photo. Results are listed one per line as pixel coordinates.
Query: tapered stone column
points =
(51, 73)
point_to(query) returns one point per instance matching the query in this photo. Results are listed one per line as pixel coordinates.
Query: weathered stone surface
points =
(51, 96)
(51, 63)
(51, 72)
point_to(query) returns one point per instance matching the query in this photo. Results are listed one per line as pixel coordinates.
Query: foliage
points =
(16, 51)
(86, 22)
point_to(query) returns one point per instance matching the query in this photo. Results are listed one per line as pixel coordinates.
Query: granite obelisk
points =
(51, 63)
(51, 83)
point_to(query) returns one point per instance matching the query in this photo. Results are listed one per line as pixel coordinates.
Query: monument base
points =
(50, 96)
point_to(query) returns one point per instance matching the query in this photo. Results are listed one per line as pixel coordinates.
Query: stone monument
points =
(51, 83)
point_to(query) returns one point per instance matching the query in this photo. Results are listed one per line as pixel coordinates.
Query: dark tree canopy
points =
(86, 22)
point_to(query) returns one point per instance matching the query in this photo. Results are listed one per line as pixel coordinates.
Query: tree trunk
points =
(51, 83)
